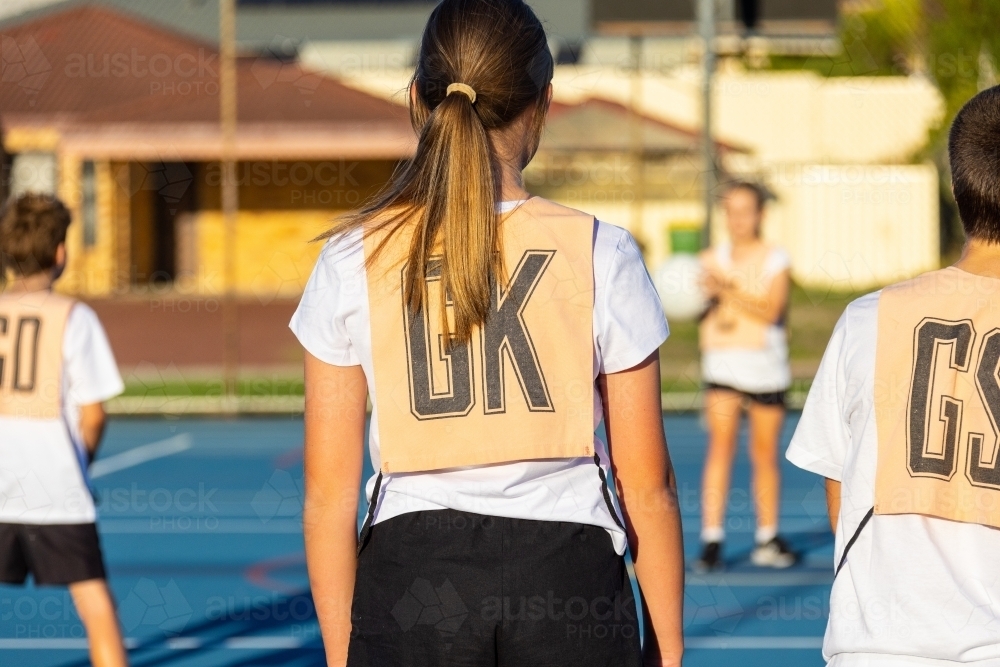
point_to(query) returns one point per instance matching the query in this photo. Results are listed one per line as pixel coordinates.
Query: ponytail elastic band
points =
(464, 89)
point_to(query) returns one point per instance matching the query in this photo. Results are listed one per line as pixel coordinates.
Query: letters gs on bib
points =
(505, 333)
(942, 462)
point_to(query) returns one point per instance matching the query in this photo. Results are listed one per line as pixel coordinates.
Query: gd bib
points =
(937, 398)
(32, 326)
(522, 388)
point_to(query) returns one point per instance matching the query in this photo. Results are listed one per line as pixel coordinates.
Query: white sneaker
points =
(775, 553)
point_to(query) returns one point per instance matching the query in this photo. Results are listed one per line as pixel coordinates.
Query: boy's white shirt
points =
(332, 323)
(43, 463)
(914, 590)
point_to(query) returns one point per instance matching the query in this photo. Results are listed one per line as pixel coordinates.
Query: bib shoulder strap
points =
(366, 529)
(854, 538)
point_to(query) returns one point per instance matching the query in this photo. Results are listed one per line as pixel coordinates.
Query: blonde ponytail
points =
(482, 63)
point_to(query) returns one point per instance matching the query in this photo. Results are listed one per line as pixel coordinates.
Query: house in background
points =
(855, 208)
(120, 118)
(625, 167)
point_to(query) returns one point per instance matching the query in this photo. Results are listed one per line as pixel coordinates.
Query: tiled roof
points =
(90, 64)
(600, 125)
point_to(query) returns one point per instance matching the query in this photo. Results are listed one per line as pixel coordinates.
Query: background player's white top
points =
(754, 371)
(332, 323)
(43, 461)
(912, 585)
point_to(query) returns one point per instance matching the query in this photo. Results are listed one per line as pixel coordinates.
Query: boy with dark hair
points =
(56, 370)
(903, 420)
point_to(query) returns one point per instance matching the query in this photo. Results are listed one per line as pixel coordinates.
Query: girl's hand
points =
(714, 283)
(663, 651)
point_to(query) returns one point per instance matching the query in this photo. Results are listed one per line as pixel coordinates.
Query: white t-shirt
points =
(912, 585)
(332, 322)
(754, 371)
(43, 462)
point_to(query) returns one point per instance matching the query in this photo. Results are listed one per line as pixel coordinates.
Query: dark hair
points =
(760, 193)
(974, 153)
(451, 186)
(31, 228)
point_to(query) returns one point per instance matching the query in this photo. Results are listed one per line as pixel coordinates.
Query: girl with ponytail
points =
(492, 332)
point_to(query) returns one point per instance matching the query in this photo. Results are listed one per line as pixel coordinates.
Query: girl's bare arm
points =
(648, 492)
(336, 398)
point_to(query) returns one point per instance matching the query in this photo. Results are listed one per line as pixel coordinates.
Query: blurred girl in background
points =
(744, 367)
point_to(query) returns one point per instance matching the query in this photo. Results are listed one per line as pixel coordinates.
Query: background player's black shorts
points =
(453, 588)
(765, 398)
(56, 554)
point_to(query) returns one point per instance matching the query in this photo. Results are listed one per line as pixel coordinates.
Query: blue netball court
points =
(201, 525)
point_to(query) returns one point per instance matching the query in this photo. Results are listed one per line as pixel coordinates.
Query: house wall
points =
(283, 206)
(273, 253)
(91, 270)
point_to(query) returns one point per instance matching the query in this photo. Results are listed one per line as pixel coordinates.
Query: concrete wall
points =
(855, 227)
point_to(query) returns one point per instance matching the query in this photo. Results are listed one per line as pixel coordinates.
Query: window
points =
(88, 205)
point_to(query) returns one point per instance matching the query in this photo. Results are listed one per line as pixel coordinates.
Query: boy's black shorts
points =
(443, 587)
(56, 554)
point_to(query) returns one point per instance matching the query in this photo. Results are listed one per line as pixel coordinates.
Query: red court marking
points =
(260, 574)
(289, 458)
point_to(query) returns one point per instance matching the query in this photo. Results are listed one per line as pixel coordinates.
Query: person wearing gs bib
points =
(493, 332)
(744, 365)
(903, 421)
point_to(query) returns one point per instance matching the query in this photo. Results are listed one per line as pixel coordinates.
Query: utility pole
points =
(706, 29)
(635, 139)
(230, 196)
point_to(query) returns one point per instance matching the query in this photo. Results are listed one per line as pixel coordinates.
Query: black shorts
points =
(57, 554)
(444, 587)
(766, 398)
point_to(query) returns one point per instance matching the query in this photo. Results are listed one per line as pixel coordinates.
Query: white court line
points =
(743, 643)
(183, 643)
(43, 643)
(263, 642)
(141, 454)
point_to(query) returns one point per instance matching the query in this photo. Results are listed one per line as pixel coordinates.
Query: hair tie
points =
(464, 89)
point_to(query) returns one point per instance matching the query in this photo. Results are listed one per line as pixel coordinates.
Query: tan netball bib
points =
(32, 325)
(522, 388)
(937, 398)
(727, 326)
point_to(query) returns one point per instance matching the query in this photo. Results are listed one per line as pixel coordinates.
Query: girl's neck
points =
(743, 245)
(512, 183)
